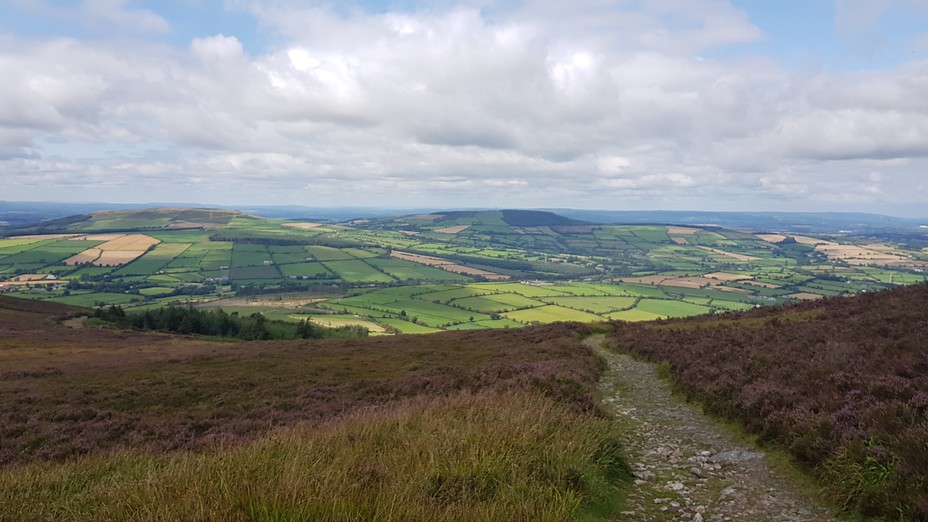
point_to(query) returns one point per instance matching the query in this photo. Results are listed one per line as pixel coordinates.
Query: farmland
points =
(429, 272)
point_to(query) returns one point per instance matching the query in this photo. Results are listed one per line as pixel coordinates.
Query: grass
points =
(549, 313)
(670, 308)
(596, 305)
(357, 271)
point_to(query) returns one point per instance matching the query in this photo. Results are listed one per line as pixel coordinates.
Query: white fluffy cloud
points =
(606, 104)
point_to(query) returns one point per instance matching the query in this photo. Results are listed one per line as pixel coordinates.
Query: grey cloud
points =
(535, 103)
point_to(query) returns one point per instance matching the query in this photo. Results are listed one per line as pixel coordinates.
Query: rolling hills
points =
(437, 271)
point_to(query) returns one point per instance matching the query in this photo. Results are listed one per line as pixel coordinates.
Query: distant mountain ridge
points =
(19, 214)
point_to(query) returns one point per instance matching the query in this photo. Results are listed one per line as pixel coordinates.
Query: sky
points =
(748, 105)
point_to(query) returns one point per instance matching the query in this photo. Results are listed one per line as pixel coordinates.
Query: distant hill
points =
(490, 218)
(537, 218)
(136, 220)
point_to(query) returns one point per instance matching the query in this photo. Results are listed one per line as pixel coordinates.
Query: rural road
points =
(687, 467)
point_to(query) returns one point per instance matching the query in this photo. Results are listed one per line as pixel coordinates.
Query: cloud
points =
(531, 103)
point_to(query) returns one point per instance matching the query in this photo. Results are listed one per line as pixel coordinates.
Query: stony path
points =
(686, 467)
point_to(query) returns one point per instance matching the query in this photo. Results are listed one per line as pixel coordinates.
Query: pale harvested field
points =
(725, 276)
(855, 252)
(452, 230)
(119, 249)
(734, 290)
(739, 257)
(645, 280)
(681, 231)
(338, 322)
(805, 296)
(418, 258)
(410, 232)
(448, 266)
(130, 242)
(43, 282)
(117, 257)
(303, 226)
(805, 240)
(771, 238)
(87, 256)
(762, 285)
(680, 283)
(680, 240)
(30, 277)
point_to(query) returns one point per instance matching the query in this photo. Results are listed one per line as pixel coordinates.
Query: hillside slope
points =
(105, 424)
(842, 384)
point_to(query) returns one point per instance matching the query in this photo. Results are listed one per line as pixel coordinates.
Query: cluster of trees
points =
(218, 323)
(842, 384)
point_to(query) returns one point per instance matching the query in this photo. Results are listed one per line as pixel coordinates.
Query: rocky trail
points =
(686, 466)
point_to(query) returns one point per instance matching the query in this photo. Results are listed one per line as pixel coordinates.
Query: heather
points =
(108, 424)
(841, 384)
(485, 456)
(66, 393)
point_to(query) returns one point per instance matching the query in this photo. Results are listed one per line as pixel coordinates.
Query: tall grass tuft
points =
(483, 456)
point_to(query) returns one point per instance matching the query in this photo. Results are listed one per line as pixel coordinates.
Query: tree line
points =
(219, 323)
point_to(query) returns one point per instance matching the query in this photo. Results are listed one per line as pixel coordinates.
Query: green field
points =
(551, 313)
(554, 271)
(357, 271)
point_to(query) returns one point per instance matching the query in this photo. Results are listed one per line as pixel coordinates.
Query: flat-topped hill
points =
(144, 219)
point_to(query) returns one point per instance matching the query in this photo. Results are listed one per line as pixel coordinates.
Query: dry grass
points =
(469, 457)
(452, 230)
(130, 242)
(303, 226)
(681, 231)
(114, 425)
(87, 256)
(119, 249)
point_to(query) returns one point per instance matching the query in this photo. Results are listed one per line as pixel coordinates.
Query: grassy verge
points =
(485, 456)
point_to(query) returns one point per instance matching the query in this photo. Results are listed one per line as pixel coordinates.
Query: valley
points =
(439, 271)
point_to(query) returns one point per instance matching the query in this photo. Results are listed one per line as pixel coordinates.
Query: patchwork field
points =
(454, 270)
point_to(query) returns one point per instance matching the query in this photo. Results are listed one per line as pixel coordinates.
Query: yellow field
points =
(452, 230)
(679, 240)
(119, 249)
(771, 238)
(303, 226)
(725, 276)
(339, 321)
(130, 242)
(87, 256)
(29, 277)
(117, 257)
